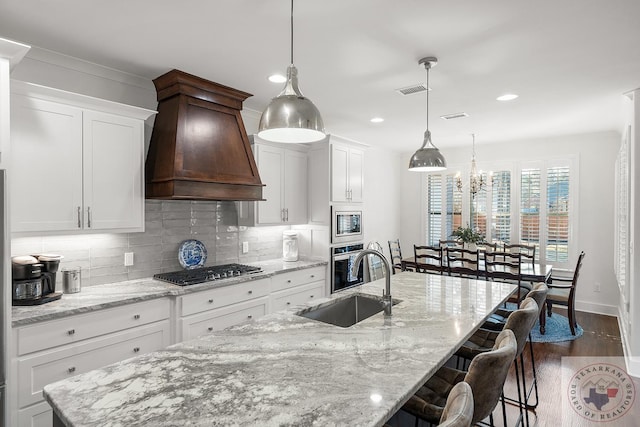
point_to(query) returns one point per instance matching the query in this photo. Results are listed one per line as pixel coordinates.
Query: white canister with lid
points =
(290, 245)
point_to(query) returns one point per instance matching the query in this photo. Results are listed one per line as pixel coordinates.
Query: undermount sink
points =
(347, 311)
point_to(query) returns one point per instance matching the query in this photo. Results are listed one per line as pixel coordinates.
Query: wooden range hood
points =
(199, 148)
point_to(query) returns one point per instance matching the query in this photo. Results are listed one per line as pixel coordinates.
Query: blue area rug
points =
(557, 329)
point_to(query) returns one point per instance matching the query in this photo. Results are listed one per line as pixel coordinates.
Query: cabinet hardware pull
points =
(250, 316)
(136, 349)
(282, 214)
(136, 316)
(289, 281)
(288, 303)
(89, 217)
(250, 292)
(210, 328)
(211, 301)
(71, 369)
(313, 275)
(71, 331)
(287, 210)
(311, 296)
(79, 218)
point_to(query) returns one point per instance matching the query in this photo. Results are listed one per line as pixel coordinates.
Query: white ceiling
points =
(569, 60)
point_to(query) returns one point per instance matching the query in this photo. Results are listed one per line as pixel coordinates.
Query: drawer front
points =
(220, 297)
(292, 297)
(34, 372)
(296, 278)
(77, 328)
(215, 320)
(40, 415)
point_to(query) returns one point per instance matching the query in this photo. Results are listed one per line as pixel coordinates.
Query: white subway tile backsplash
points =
(167, 225)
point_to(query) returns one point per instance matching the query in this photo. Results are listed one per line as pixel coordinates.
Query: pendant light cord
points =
(291, 32)
(428, 67)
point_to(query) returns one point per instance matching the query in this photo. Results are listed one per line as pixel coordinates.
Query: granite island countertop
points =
(284, 369)
(100, 297)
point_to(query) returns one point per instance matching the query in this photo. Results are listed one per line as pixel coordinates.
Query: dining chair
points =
(450, 244)
(462, 262)
(527, 252)
(562, 291)
(486, 246)
(428, 258)
(396, 255)
(486, 376)
(506, 267)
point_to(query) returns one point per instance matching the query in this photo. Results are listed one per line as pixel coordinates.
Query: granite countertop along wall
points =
(99, 297)
(284, 369)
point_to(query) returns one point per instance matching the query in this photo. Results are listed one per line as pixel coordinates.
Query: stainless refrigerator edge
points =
(5, 319)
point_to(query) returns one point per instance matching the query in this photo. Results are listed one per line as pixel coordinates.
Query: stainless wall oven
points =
(346, 224)
(342, 258)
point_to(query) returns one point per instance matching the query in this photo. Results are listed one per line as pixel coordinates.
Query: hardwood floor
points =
(601, 338)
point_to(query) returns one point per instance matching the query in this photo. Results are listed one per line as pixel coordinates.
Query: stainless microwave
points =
(346, 224)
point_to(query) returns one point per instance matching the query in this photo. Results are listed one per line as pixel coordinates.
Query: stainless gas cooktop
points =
(206, 274)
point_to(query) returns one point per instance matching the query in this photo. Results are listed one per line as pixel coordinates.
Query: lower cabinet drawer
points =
(73, 329)
(292, 279)
(215, 320)
(292, 297)
(219, 297)
(40, 415)
(34, 372)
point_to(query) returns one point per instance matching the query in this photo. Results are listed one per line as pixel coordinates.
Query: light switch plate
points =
(245, 247)
(128, 259)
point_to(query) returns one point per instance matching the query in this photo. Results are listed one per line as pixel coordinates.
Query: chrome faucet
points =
(386, 296)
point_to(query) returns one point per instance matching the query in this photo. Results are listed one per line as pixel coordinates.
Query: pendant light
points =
(427, 158)
(291, 117)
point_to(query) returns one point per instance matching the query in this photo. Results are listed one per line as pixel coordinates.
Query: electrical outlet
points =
(597, 287)
(245, 247)
(128, 259)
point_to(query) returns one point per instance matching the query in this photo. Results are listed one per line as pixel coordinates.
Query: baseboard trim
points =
(590, 307)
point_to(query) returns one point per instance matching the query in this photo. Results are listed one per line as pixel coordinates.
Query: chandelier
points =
(477, 182)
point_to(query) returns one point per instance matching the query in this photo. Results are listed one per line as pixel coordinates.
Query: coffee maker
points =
(34, 279)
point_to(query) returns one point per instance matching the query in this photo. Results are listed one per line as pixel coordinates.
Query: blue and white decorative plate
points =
(192, 254)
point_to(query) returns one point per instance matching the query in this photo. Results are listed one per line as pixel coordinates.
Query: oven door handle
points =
(343, 257)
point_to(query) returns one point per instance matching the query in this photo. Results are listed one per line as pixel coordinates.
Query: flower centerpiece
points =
(468, 236)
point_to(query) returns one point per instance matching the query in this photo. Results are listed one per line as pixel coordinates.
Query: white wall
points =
(596, 154)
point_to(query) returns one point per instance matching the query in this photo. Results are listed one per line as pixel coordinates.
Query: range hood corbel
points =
(199, 148)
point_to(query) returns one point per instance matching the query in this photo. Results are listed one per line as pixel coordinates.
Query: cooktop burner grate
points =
(206, 274)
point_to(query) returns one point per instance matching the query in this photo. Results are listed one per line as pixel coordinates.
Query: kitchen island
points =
(284, 369)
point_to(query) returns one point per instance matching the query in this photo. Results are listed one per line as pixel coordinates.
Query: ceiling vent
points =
(410, 90)
(454, 116)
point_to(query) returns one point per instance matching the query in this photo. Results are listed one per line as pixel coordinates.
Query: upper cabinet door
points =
(271, 167)
(356, 164)
(113, 167)
(45, 172)
(295, 187)
(339, 173)
(346, 173)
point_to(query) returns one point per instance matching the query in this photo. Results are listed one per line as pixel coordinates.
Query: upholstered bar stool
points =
(521, 322)
(458, 411)
(486, 376)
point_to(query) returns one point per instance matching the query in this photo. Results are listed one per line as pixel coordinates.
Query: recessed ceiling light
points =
(377, 120)
(507, 97)
(277, 78)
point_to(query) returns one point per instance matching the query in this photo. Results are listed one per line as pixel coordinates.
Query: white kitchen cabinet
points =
(76, 162)
(297, 287)
(284, 173)
(203, 312)
(51, 351)
(346, 173)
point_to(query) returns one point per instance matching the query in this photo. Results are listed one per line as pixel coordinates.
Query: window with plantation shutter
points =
(530, 207)
(479, 209)
(434, 208)
(454, 207)
(557, 224)
(500, 207)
